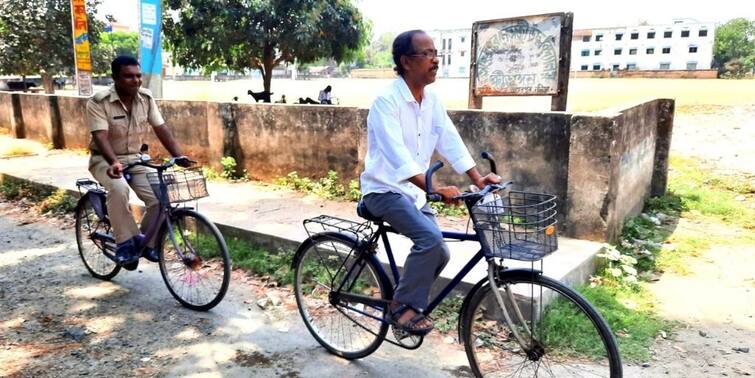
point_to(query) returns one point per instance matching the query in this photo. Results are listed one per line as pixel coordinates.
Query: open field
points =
(585, 95)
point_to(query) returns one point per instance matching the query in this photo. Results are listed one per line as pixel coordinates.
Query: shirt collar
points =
(403, 88)
(114, 95)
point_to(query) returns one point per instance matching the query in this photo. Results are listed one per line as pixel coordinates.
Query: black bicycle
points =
(514, 322)
(194, 260)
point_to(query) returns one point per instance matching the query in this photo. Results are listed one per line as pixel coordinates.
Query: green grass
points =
(328, 187)
(276, 266)
(631, 316)
(711, 198)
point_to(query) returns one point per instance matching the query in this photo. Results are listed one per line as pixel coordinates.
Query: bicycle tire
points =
(330, 249)
(493, 352)
(86, 223)
(193, 270)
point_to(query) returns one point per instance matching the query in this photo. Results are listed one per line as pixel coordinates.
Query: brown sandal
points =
(410, 326)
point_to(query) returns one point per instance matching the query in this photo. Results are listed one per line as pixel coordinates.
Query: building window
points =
(615, 67)
(449, 59)
(635, 35)
(585, 38)
(462, 70)
(650, 51)
(596, 67)
(632, 51)
(444, 43)
(651, 35)
(462, 41)
(462, 53)
(597, 52)
(444, 60)
(598, 37)
(619, 36)
(449, 43)
(702, 33)
(616, 51)
(667, 34)
(665, 66)
(583, 67)
(691, 65)
(585, 53)
(693, 49)
(667, 50)
(685, 33)
(631, 66)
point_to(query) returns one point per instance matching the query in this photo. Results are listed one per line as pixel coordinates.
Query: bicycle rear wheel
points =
(349, 330)
(566, 336)
(194, 260)
(91, 248)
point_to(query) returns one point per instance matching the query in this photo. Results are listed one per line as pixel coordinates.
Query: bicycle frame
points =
(382, 233)
(164, 211)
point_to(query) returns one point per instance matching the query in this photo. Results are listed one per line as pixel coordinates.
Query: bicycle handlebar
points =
(160, 167)
(435, 197)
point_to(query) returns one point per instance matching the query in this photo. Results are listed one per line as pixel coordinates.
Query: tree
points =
(112, 45)
(734, 46)
(37, 37)
(257, 34)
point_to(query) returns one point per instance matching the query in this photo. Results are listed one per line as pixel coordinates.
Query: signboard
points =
(522, 56)
(150, 51)
(81, 47)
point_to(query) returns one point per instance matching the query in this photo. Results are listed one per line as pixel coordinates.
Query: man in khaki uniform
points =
(119, 119)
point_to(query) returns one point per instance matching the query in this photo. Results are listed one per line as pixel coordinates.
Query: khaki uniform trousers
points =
(119, 211)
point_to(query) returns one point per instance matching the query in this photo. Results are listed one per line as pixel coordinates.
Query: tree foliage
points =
(260, 34)
(112, 45)
(734, 47)
(36, 37)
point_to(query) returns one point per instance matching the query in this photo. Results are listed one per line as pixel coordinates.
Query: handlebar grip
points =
(429, 175)
(487, 156)
(434, 197)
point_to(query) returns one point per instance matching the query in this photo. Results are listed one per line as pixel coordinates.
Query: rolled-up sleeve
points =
(383, 121)
(96, 117)
(450, 145)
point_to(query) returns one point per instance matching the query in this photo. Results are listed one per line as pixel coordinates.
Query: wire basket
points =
(518, 226)
(181, 185)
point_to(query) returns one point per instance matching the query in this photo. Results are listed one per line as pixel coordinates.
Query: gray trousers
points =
(428, 256)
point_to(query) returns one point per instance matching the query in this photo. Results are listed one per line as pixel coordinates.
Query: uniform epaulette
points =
(145, 92)
(101, 95)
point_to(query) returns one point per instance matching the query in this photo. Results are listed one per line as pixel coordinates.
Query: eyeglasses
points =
(429, 54)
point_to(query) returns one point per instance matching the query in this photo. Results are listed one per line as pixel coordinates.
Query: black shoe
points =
(125, 255)
(151, 254)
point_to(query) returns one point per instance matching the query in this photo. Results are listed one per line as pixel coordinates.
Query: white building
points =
(454, 46)
(683, 45)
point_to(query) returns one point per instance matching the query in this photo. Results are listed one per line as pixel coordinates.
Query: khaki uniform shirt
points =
(126, 132)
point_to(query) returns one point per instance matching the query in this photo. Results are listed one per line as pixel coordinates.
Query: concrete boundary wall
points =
(601, 166)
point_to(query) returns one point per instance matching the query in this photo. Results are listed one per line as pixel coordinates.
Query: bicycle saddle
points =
(364, 213)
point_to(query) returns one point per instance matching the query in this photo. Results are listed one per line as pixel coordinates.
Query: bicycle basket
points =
(181, 185)
(518, 226)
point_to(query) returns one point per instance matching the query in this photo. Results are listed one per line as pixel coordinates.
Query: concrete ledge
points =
(272, 219)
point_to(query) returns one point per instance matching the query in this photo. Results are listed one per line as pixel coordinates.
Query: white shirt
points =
(401, 138)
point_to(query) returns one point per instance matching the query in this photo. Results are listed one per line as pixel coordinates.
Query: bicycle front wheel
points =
(194, 260)
(321, 265)
(564, 335)
(91, 247)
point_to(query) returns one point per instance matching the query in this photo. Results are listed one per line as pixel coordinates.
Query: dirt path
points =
(715, 300)
(57, 321)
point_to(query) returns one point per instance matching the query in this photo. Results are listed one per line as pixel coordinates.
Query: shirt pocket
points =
(118, 129)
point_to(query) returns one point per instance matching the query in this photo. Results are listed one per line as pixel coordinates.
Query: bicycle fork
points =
(526, 346)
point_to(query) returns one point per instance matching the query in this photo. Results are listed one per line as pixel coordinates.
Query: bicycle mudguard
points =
(97, 200)
(518, 272)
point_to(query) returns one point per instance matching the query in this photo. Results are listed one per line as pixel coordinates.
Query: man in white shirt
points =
(406, 123)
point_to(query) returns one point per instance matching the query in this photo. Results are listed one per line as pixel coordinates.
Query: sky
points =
(399, 15)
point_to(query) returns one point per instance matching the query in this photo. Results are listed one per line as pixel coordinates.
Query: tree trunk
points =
(48, 84)
(267, 66)
(23, 83)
